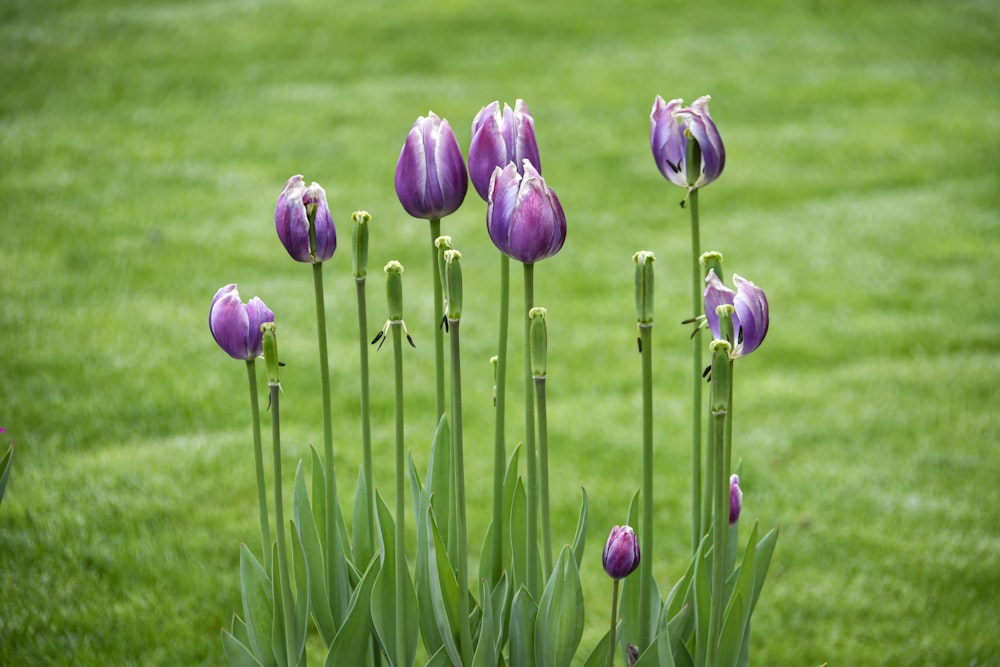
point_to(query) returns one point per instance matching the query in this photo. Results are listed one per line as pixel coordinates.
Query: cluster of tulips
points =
(350, 582)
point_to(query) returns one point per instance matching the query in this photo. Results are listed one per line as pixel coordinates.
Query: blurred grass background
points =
(144, 144)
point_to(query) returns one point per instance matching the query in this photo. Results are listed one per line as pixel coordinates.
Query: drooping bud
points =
(621, 552)
(359, 254)
(686, 143)
(735, 499)
(538, 341)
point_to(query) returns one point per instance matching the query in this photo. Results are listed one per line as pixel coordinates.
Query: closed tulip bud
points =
(621, 552)
(686, 144)
(499, 138)
(524, 217)
(749, 312)
(304, 223)
(235, 325)
(735, 499)
(431, 180)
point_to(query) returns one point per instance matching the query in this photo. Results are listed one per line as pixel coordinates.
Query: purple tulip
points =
(499, 138)
(671, 127)
(750, 315)
(523, 216)
(735, 499)
(431, 180)
(621, 553)
(235, 326)
(298, 212)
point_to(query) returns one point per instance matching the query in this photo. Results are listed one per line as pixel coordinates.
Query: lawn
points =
(143, 145)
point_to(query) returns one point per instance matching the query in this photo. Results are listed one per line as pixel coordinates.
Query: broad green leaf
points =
(486, 649)
(765, 549)
(239, 630)
(679, 629)
(363, 541)
(510, 483)
(523, 613)
(731, 639)
(438, 659)
(384, 596)
(312, 545)
(580, 539)
(237, 655)
(702, 599)
(440, 481)
(599, 655)
(278, 639)
(301, 612)
(421, 503)
(744, 582)
(319, 491)
(499, 598)
(444, 590)
(559, 623)
(629, 605)
(518, 535)
(354, 640)
(258, 606)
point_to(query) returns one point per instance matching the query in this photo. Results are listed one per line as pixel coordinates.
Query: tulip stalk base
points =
(258, 455)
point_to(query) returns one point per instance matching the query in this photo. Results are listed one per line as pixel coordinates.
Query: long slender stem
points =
(258, 455)
(400, 551)
(614, 625)
(543, 464)
(439, 399)
(285, 581)
(697, 288)
(720, 533)
(458, 455)
(332, 503)
(646, 564)
(499, 428)
(531, 580)
(366, 420)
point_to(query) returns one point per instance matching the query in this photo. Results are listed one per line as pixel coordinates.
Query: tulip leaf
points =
(629, 604)
(384, 595)
(439, 659)
(523, 613)
(731, 639)
(499, 599)
(702, 600)
(319, 491)
(307, 533)
(237, 654)
(362, 540)
(421, 503)
(518, 535)
(278, 638)
(353, 641)
(486, 649)
(580, 539)
(239, 631)
(444, 589)
(301, 611)
(599, 655)
(440, 481)
(559, 623)
(258, 606)
(765, 549)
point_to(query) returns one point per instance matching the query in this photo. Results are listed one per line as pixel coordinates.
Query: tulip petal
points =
(716, 294)
(751, 313)
(667, 140)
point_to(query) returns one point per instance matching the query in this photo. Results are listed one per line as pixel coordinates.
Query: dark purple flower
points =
(235, 326)
(671, 127)
(431, 180)
(750, 314)
(735, 499)
(621, 553)
(523, 216)
(498, 138)
(297, 213)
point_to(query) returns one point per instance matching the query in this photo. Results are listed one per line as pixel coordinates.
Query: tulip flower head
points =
(672, 127)
(431, 179)
(498, 138)
(621, 552)
(304, 223)
(235, 325)
(735, 499)
(750, 315)
(523, 216)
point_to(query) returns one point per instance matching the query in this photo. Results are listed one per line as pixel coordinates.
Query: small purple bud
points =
(431, 180)
(671, 127)
(304, 223)
(523, 216)
(621, 553)
(750, 313)
(235, 326)
(498, 138)
(735, 499)
(633, 653)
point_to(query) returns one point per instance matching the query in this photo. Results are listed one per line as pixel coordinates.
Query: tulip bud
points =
(235, 326)
(524, 217)
(686, 144)
(304, 223)
(359, 256)
(431, 180)
(621, 552)
(735, 499)
(538, 341)
(499, 138)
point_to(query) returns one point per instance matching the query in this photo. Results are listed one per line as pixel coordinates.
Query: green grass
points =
(144, 144)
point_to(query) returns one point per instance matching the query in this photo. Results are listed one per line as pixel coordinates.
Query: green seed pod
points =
(270, 343)
(712, 261)
(394, 290)
(453, 283)
(538, 341)
(644, 286)
(359, 254)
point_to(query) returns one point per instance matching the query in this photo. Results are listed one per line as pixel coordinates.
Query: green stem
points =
(332, 504)
(499, 428)
(366, 420)
(258, 455)
(400, 551)
(646, 564)
(614, 625)
(720, 533)
(697, 290)
(462, 566)
(286, 586)
(543, 464)
(531, 580)
(439, 401)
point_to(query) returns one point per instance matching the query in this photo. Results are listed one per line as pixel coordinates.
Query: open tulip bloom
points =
(750, 318)
(304, 223)
(431, 180)
(523, 216)
(498, 138)
(671, 127)
(235, 325)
